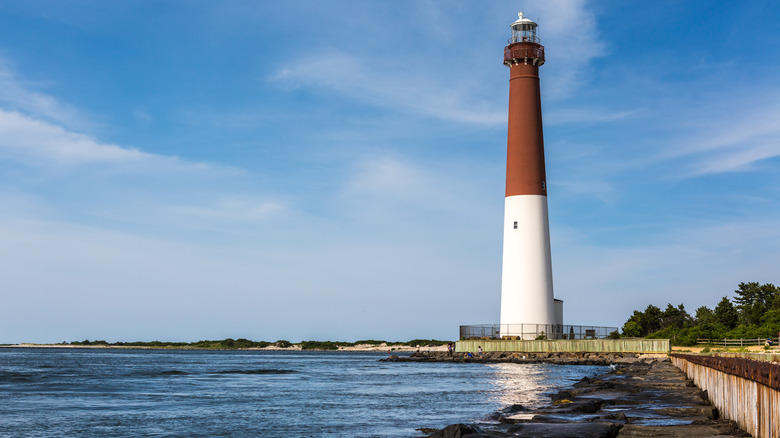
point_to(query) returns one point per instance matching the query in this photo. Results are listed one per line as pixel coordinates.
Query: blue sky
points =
(335, 170)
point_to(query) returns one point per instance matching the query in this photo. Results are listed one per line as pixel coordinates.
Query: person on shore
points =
(479, 350)
(449, 349)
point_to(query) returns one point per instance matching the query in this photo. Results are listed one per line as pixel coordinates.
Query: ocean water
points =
(89, 392)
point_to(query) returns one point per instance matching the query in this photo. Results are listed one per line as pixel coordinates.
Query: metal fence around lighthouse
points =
(534, 331)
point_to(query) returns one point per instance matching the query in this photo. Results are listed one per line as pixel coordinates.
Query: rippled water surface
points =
(87, 392)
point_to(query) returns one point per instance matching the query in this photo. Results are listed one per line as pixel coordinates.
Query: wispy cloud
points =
(389, 177)
(732, 142)
(569, 32)
(571, 116)
(394, 184)
(415, 82)
(591, 185)
(37, 141)
(388, 85)
(17, 94)
(232, 208)
(40, 143)
(738, 159)
(38, 129)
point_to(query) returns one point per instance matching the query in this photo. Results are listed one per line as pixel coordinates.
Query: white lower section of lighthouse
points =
(526, 277)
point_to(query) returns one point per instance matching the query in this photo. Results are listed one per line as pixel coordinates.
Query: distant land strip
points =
(246, 344)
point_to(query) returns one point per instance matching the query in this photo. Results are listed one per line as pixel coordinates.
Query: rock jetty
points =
(640, 397)
(557, 358)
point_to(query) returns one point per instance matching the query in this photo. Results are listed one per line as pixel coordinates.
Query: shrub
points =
(319, 345)
(426, 342)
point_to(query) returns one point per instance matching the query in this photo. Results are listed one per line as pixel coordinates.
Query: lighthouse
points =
(527, 303)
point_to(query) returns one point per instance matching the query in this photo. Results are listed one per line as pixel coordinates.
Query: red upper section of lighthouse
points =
(525, 172)
(523, 52)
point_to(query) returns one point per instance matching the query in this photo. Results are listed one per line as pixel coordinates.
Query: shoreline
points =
(380, 348)
(644, 398)
(532, 358)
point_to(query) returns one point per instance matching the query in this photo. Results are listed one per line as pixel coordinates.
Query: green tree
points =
(771, 322)
(745, 297)
(650, 320)
(632, 329)
(705, 316)
(642, 323)
(753, 299)
(726, 314)
(774, 302)
(754, 312)
(746, 294)
(675, 317)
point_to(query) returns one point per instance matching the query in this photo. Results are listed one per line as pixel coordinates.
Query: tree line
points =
(754, 312)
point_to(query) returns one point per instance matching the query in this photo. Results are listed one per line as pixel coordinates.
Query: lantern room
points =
(523, 30)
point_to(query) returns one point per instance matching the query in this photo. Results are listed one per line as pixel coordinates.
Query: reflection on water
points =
(532, 384)
(520, 383)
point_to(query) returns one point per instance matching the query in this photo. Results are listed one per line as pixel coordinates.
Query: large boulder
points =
(561, 430)
(455, 431)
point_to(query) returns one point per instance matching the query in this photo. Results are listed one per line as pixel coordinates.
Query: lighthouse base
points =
(526, 278)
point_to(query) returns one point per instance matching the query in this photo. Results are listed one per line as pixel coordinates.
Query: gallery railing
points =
(534, 331)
